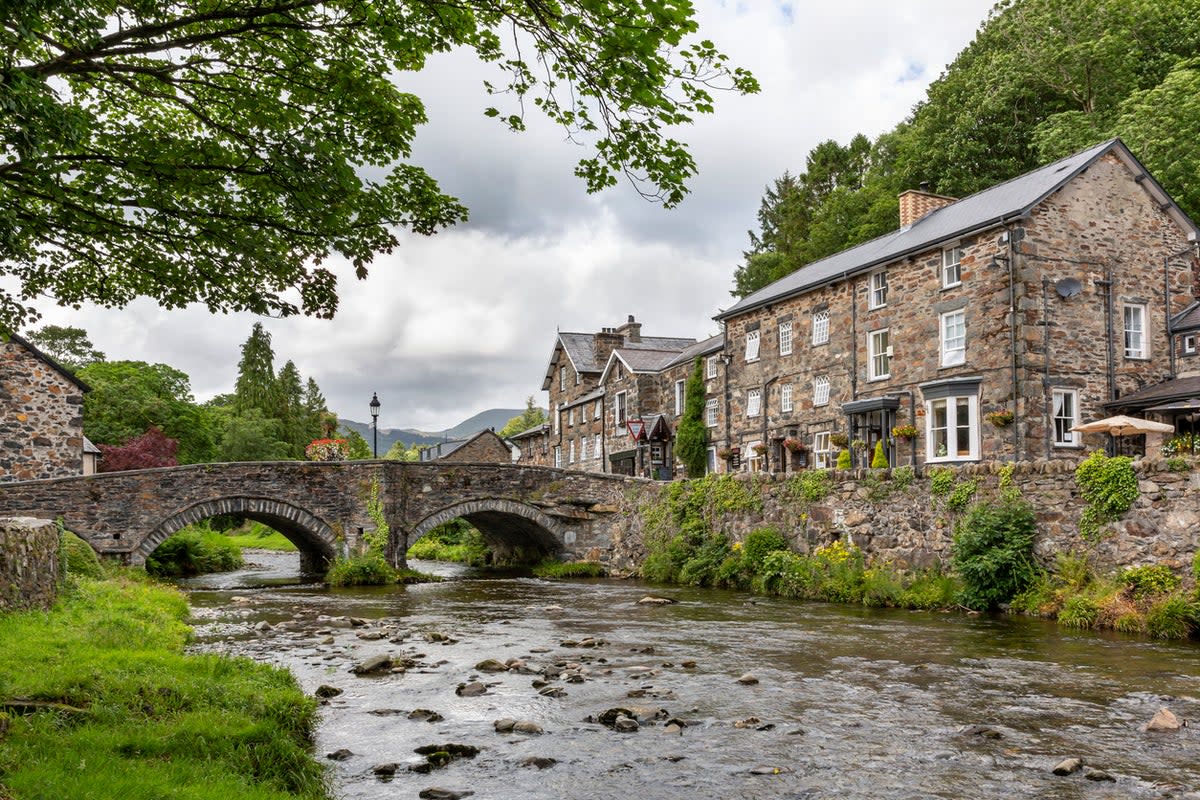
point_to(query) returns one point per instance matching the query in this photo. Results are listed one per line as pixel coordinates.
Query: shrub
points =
(366, 570)
(843, 459)
(962, 494)
(1171, 617)
(759, 543)
(1178, 464)
(879, 459)
(1109, 486)
(569, 569)
(194, 551)
(882, 587)
(811, 486)
(993, 551)
(79, 558)
(700, 568)
(1149, 579)
(930, 590)
(1079, 611)
(903, 477)
(941, 480)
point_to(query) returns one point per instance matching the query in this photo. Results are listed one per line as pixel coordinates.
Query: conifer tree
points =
(256, 386)
(692, 436)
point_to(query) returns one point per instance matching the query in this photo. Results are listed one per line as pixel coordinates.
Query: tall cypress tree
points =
(256, 386)
(290, 410)
(692, 436)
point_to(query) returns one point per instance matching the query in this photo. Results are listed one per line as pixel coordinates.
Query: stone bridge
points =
(322, 506)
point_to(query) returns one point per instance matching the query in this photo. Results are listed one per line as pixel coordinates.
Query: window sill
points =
(1138, 358)
(962, 363)
(1061, 446)
(951, 460)
(880, 378)
(951, 286)
(788, 353)
(876, 308)
(820, 344)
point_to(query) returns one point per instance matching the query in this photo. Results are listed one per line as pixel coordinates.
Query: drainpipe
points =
(1167, 313)
(725, 359)
(1012, 338)
(766, 387)
(1046, 410)
(854, 339)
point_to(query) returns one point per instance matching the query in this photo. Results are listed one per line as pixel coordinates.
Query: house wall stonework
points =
(41, 417)
(484, 449)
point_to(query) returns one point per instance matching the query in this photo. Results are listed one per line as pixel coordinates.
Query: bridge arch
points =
(316, 540)
(508, 527)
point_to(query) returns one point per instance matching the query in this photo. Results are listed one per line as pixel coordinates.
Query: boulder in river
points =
(1068, 766)
(764, 770)
(339, 755)
(624, 724)
(1164, 720)
(748, 679)
(385, 770)
(504, 725)
(541, 762)
(472, 689)
(650, 600)
(1099, 775)
(527, 727)
(438, 793)
(325, 691)
(491, 665)
(374, 664)
(424, 714)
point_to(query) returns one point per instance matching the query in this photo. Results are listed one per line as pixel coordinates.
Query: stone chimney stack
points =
(603, 343)
(631, 330)
(916, 203)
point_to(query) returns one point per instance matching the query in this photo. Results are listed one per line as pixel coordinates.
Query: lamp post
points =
(374, 425)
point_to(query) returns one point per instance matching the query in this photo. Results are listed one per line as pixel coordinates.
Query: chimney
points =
(631, 330)
(916, 203)
(603, 343)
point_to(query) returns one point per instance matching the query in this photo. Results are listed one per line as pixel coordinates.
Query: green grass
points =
(257, 535)
(150, 722)
(194, 551)
(569, 569)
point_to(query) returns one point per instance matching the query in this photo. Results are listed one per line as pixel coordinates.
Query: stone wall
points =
(41, 416)
(28, 563)
(913, 528)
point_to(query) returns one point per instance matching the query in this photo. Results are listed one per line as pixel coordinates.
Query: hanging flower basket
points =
(725, 454)
(904, 432)
(858, 444)
(759, 449)
(1001, 419)
(794, 445)
(839, 439)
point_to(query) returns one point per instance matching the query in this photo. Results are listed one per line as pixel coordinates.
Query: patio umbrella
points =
(1122, 425)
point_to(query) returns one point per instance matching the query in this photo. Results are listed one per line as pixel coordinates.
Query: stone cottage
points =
(485, 447)
(41, 415)
(985, 327)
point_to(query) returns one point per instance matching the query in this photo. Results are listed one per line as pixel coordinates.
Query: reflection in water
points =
(850, 702)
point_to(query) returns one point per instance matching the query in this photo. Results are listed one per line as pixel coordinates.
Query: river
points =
(849, 703)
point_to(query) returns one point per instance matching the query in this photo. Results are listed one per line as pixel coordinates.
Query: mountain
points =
(492, 418)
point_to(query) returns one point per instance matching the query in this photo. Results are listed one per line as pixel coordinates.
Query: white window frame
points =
(820, 327)
(821, 390)
(953, 339)
(562, 379)
(1189, 344)
(558, 456)
(710, 461)
(1137, 343)
(785, 397)
(583, 442)
(785, 338)
(952, 267)
(952, 424)
(710, 367)
(753, 402)
(712, 410)
(620, 410)
(754, 461)
(570, 451)
(877, 354)
(557, 417)
(877, 289)
(752, 340)
(1061, 434)
(571, 417)
(598, 446)
(599, 409)
(822, 450)
(679, 399)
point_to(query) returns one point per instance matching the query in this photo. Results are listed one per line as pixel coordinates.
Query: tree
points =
(398, 452)
(532, 416)
(252, 436)
(359, 447)
(219, 152)
(130, 397)
(256, 385)
(692, 437)
(291, 411)
(152, 449)
(69, 346)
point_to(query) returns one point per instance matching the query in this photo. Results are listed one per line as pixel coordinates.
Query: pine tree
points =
(692, 436)
(290, 409)
(256, 386)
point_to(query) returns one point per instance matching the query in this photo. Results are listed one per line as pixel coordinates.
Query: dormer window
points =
(951, 267)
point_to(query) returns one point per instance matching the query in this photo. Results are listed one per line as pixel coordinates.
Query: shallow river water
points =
(850, 703)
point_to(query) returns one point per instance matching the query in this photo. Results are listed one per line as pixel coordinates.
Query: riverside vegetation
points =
(992, 564)
(116, 709)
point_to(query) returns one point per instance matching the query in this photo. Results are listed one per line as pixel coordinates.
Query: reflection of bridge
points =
(322, 506)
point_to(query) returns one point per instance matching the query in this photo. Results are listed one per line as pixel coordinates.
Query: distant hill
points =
(492, 418)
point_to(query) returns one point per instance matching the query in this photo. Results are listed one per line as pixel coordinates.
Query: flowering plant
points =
(725, 453)
(327, 450)
(760, 449)
(858, 444)
(793, 444)
(904, 431)
(839, 439)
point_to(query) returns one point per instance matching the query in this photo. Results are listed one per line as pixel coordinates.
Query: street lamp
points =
(374, 425)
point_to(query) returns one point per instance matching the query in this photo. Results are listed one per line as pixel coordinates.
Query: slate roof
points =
(1006, 201)
(1177, 389)
(587, 398)
(703, 348)
(536, 430)
(580, 349)
(1187, 320)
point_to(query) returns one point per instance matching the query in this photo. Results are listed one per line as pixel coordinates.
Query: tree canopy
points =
(67, 345)
(532, 416)
(1042, 79)
(221, 152)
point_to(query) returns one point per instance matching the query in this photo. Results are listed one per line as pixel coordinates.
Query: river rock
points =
(385, 770)
(327, 640)
(424, 714)
(625, 724)
(1068, 766)
(552, 691)
(748, 679)
(1164, 720)
(688, 664)
(674, 727)
(359, 622)
(438, 793)
(656, 601)
(610, 716)
(379, 663)
(339, 755)
(325, 691)
(491, 665)
(764, 770)
(472, 689)
(980, 730)
(748, 722)
(541, 762)
(263, 626)
(504, 725)
(529, 728)
(1099, 775)
(371, 636)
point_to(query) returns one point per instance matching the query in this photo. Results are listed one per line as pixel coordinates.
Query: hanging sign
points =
(636, 428)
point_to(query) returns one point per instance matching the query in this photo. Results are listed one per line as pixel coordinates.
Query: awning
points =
(1122, 425)
(1178, 405)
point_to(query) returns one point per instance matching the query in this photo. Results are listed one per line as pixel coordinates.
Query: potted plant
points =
(904, 432)
(839, 439)
(725, 453)
(794, 445)
(859, 445)
(1001, 418)
(759, 449)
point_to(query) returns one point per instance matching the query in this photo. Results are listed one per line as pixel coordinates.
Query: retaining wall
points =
(28, 563)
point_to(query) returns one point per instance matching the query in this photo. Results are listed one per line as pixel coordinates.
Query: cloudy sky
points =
(450, 325)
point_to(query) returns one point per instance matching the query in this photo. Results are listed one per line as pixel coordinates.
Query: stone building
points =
(41, 415)
(991, 325)
(485, 447)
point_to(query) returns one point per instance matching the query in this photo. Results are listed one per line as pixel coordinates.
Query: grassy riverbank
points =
(97, 699)
(257, 536)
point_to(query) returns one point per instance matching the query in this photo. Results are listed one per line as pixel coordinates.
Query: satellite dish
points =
(1068, 287)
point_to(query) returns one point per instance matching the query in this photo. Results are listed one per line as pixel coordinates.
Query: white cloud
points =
(452, 324)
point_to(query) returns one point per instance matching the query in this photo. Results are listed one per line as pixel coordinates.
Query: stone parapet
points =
(28, 563)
